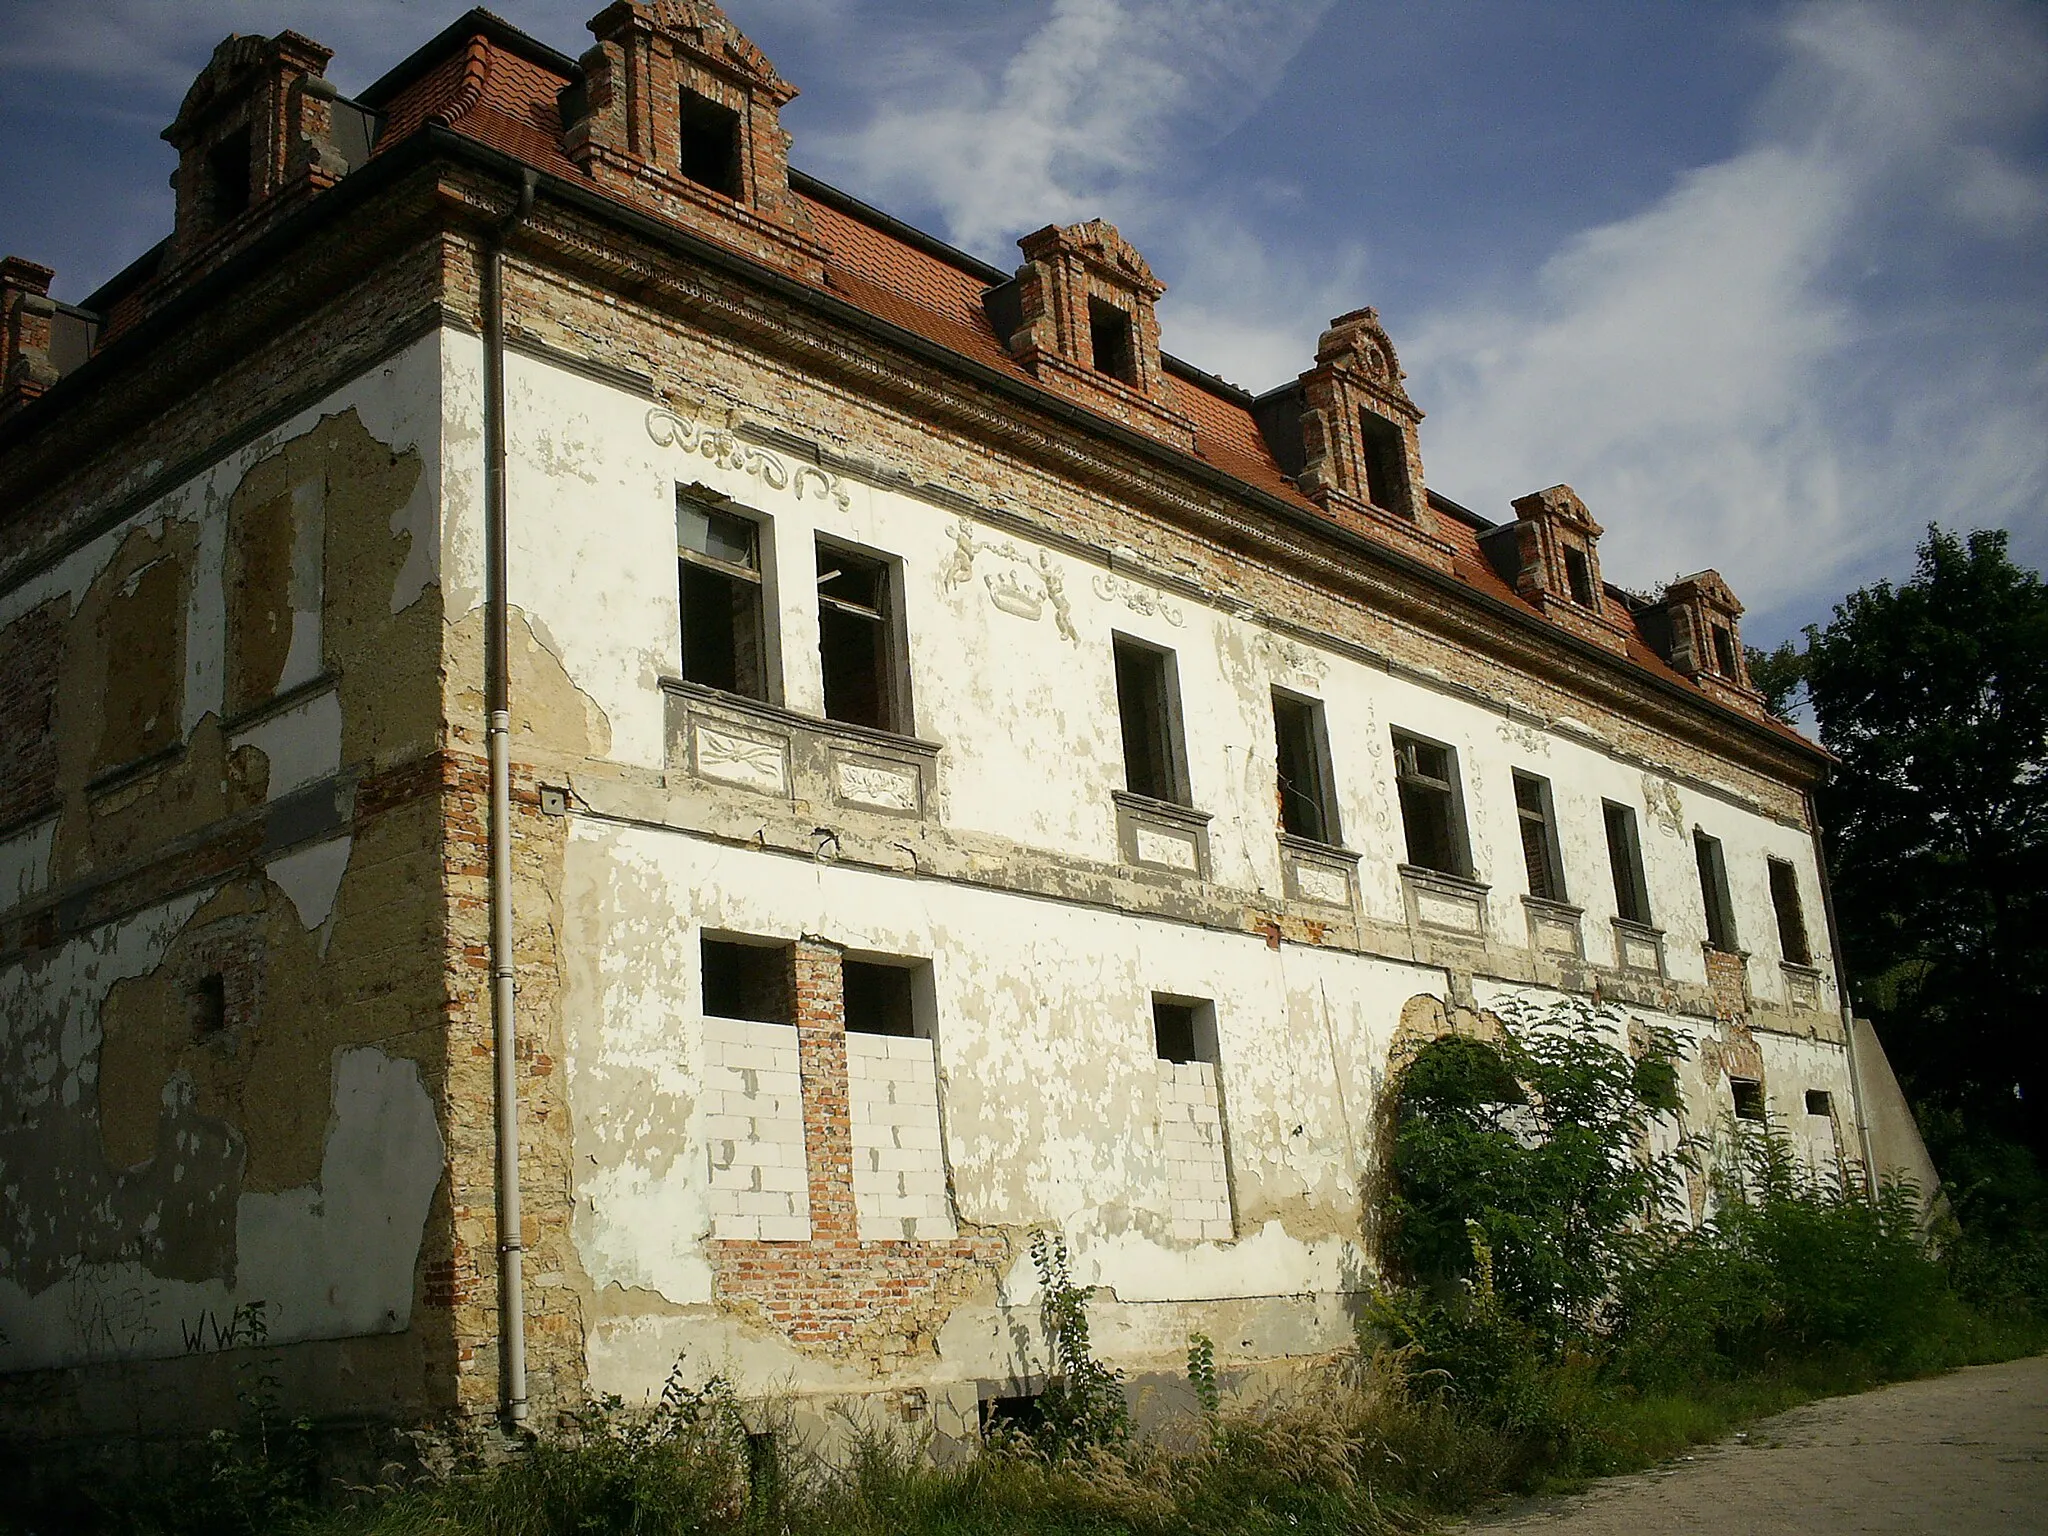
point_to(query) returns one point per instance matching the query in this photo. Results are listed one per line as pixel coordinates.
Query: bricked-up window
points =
(1148, 707)
(1109, 340)
(229, 179)
(880, 999)
(1724, 649)
(1432, 815)
(1749, 1097)
(1625, 859)
(858, 642)
(1792, 944)
(1539, 837)
(1307, 806)
(1386, 462)
(1578, 574)
(1706, 853)
(1183, 1029)
(709, 152)
(1819, 1102)
(748, 981)
(723, 637)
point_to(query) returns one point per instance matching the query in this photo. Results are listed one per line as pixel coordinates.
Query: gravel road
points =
(1965, 1453)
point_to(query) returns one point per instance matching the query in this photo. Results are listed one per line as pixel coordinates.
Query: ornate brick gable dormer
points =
(254, 136)
(25, 315)
(679, 110)
(1701, 623)
(1080, 315)
(1358, 451)
(1557, 566)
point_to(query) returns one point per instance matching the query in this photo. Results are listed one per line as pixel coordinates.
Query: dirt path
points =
(1962, 1453)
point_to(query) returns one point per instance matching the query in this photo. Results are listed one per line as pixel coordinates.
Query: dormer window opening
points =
(1578, 575)
(1386, 462)
(709, 151)
(1724, 649)
(1109, 337)
(229, 180)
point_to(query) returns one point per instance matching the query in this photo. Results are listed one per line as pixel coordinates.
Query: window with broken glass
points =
(719, 554)
(1714, 891)
(1792, 944)
(857, 641)
(1539, 838)
(1625, 859)
(1426, 774)
(1307, 807)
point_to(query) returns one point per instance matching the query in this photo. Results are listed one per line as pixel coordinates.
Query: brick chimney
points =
(26, 313)
(254, 132)
(1699, 623)
(1346, 431)
(1557, 566)
(679, 110)
(1080, 314)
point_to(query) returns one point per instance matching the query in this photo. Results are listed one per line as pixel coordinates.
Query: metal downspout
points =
(497, 702)
(1827, 904)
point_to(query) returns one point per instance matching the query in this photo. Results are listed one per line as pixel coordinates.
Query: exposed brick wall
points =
(882, 1299)
(30, 649)
(1728, 980)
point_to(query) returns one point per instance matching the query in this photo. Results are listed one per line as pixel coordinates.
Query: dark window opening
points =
(1539, 837)
(856, 640)
(1109, 340)
(709, 152)
(723, 638)
(1819, 1102)
(1307, 807)
(229, 177)
(1792, 945)
(764, 1472)
(1019, 1415)
(1749, 1098)
(1625, 859)
(1148, 710)
(1724, 649)
(1173, 1031)
(1578, 574)
(1385, 451)
(1426, 775)
(209, 1005)
(748, 981)
(1706, 852)
(879, 999)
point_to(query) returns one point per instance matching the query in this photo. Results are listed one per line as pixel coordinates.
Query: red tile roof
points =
(508, 99)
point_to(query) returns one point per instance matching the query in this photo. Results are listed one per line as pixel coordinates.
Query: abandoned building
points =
(609, 756)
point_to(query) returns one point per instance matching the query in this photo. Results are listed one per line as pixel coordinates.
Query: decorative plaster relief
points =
(1318, 882)
(1292, 657)
(1802, 987)
(1158, 846)
(747, 761)
(1660, 799)
(1638, 949)
(885, 786)
(1115, 589)
(1024, 589)
(669, 430)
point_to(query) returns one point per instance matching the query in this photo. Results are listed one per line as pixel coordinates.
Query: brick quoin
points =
(837, 1290)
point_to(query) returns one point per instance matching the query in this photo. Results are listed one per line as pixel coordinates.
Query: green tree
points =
(1934, 695)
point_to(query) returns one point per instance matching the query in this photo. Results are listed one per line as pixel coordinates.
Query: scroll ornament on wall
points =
(1023, 587)
(726, 450)
(1115, 589)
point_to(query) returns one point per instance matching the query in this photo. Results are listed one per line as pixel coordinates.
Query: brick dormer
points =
(678, 109)
(1080, 314)
(1699, 625)
(255, 132)
(1556, 566)
(1346, 431)
(26, 313)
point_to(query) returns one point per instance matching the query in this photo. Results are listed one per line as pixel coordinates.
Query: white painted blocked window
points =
(753, 1093)
(1191, 1120)
(892, 1084)
(754, 1130)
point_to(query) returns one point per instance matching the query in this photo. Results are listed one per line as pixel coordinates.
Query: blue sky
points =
(1767, 283)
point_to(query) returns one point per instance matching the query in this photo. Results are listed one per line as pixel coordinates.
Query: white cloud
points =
(1743, 374)
(1079, 120)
